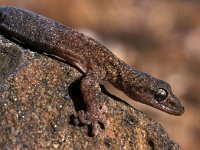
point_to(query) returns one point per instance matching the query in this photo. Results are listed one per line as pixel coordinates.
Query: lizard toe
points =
(82, 116)
(95, 130)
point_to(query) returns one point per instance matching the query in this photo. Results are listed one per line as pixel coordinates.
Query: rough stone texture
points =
(38, 97)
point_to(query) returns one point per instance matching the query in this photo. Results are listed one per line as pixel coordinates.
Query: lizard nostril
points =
(182, 110)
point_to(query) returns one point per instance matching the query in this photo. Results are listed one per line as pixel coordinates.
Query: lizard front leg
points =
(91, 92)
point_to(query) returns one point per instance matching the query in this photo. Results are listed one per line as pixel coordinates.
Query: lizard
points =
(94, 60)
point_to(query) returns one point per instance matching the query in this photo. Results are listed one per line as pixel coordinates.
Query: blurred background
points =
(158, 37)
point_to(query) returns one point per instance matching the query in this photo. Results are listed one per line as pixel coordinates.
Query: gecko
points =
(95, 61)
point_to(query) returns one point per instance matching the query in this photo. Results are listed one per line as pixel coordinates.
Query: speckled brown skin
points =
(90, 57)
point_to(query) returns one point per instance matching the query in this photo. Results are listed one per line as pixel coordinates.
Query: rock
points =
(39, 96)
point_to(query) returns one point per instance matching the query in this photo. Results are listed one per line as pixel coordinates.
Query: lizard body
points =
(93, 59)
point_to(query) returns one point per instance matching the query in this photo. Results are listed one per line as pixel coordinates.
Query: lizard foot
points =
(94, 119)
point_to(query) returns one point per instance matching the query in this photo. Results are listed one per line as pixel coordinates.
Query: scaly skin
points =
(92, 59)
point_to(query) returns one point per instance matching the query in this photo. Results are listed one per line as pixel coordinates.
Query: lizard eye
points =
(161, 95)
(2, 16)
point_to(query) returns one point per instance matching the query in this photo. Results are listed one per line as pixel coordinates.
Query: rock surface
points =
(40, 94)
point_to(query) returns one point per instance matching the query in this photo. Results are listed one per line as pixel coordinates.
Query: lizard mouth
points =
(172, 109)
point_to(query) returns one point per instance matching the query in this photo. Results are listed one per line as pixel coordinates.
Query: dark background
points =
(158, 37)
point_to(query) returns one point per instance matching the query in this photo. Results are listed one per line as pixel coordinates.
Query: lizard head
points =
(163, 98)
(154, 92)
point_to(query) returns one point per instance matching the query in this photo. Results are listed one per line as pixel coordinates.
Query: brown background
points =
(158, 37)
